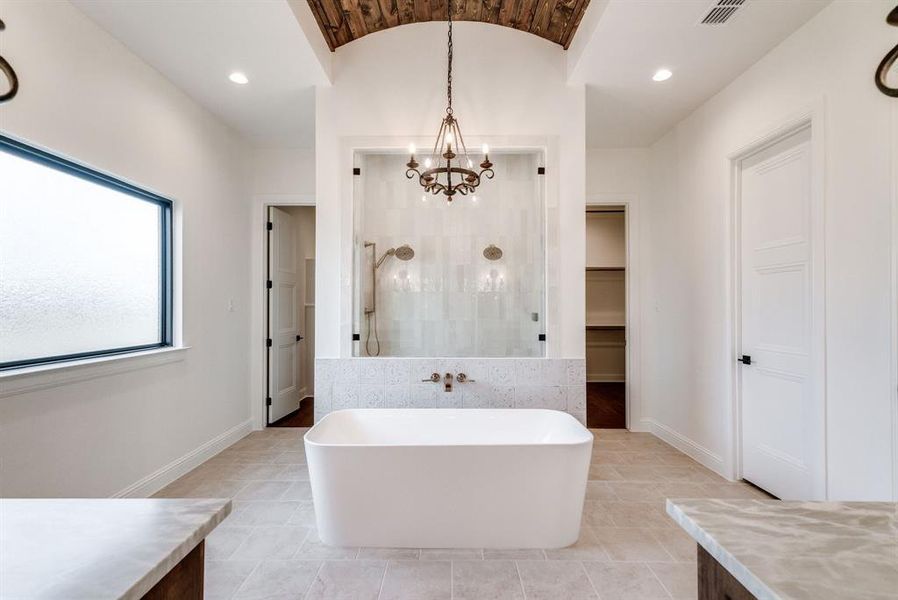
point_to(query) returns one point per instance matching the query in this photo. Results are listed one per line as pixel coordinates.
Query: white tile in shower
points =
(346, 395)
(371, 396)
(397, 396)
(528, 371)
(576, 371)
(502, 397)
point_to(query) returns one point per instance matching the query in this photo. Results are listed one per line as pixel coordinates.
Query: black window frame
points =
(166, 305)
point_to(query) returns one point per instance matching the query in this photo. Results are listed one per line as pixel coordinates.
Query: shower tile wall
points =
(449, 300)
(555, 383)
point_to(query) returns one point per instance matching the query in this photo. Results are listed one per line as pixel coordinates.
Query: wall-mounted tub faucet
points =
(447, 382)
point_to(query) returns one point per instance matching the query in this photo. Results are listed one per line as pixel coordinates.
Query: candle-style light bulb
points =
(486, 149)
(427, 162)
(411, 149)
(450, 138)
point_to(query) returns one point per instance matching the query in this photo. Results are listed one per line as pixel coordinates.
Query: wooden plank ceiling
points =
(342, 21)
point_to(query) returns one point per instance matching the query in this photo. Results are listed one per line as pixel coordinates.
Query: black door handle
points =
(745, 359)
(299, 338)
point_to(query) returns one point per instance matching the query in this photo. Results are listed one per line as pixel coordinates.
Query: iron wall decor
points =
(883, 70)
(10, 75)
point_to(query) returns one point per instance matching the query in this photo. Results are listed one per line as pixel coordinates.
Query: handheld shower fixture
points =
(403, 252)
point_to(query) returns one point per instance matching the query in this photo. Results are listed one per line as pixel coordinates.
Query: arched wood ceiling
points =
(342, 21)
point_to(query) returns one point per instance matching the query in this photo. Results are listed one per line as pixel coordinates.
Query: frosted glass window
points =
(84, 262)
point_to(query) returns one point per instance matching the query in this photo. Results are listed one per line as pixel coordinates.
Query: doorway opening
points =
(606, 317)
(290, 316)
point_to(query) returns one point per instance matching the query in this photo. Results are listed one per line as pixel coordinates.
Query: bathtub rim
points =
(588, 437)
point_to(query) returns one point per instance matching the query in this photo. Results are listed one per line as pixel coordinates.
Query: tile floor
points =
(628, 548)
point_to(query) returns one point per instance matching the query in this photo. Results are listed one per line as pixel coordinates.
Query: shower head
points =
(404, 252)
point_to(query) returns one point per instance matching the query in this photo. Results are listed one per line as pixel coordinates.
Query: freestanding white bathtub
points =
(448, 478)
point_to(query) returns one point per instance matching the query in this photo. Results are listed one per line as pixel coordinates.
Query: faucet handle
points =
(434, 378)
(462, 378)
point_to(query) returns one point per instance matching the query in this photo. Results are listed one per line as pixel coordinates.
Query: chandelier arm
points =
(462, 148)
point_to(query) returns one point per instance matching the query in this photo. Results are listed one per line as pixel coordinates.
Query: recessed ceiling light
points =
(662, 75)
(238, 78)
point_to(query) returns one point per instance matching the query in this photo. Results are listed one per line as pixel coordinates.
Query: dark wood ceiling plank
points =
(540, 24)
(342, 21)
(405, 11)
(573, 22)
(389, 10)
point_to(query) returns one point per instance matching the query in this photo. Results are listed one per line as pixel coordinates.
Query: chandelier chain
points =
(449, 71)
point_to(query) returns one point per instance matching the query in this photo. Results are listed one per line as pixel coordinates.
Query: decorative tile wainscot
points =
(555, 383)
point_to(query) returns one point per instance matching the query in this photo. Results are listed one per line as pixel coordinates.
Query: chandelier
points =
(441, 174)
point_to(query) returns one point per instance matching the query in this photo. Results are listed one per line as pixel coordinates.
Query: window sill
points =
(42, 377)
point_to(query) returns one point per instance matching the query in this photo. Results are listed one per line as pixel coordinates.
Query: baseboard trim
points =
(686, 445)
(157, 480)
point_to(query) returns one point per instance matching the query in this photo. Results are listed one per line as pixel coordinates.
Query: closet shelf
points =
(605, 326)
(606, 268)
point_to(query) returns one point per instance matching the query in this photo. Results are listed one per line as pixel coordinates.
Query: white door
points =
(780, 405)
(283, 360)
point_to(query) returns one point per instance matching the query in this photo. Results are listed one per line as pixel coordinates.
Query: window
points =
(85, 262)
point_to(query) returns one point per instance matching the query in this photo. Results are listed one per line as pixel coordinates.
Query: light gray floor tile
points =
(221, 543)
(680, 580)
(417, 580)
(390, 553)
(298, 490)
(625, 581)
(262, 513)
(554, 580)
(223, 577)
(279, 580)
(315, 548)
(451, 554)
(263, 490)
(586, 548)
(348, 580)
(631, 544)
(485, 580)
(280, 542)
(522, 554)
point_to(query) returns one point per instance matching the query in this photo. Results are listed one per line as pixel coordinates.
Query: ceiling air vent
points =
(721, 12)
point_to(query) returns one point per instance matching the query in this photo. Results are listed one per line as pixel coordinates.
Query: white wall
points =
(84, 96)
(388, 91)
(686, 248)
(283, 171)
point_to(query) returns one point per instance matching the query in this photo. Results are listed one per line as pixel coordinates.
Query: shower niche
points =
(466, 279)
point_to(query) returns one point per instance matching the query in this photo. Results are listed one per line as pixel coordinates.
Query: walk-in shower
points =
(470, 279)
(403, 252)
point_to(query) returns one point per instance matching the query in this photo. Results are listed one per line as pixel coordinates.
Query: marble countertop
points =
(80, 549)
(799, 550)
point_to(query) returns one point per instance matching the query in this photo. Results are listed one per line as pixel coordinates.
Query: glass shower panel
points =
(434, 279)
